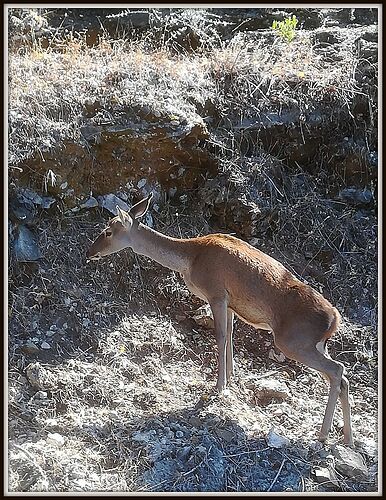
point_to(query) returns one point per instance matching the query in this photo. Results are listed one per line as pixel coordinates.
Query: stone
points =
(141, 183)
(276, 440)
(350, 463)
(29, 348)
(144, 437)
(90, 203)
(268, 389)
(368, 446)
(225, 434)
(326, 475)
(47, 201)
(40, 378)
(356, 197)
(279, 357)
(25, 245)
(56, 439)
(41, 485)
(110, 202)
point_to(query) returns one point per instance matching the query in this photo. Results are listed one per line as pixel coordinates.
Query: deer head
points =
(120, 232)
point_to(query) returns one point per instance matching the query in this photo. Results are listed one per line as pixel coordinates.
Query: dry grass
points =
(50, 87)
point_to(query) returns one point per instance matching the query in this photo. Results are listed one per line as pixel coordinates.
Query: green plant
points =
(286, 28)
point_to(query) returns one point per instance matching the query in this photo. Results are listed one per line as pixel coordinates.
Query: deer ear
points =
(139, 209)
(123, 216)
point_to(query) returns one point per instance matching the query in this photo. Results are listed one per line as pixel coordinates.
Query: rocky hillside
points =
(236, 127)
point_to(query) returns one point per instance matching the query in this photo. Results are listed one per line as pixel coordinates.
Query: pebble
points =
(325, 475)
(56, 438)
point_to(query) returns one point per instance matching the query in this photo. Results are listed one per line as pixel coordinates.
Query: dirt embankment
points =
(234, 129)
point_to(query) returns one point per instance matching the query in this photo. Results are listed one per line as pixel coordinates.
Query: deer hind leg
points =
(345, 402)
(229, 345)
(310, 356)
(220, 315)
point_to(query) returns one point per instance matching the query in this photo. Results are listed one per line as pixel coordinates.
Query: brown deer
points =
(236, 278)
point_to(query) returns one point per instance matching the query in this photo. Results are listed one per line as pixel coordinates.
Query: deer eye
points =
(108, 233)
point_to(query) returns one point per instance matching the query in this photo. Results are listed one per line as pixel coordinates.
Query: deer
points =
(235, 278)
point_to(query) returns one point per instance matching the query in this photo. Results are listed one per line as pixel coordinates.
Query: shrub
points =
(286, 28)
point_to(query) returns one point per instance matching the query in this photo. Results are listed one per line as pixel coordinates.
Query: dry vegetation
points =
(110, 379)
(50, 88)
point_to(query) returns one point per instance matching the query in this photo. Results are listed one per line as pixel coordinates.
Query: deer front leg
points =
(219, 310)
(229, 345)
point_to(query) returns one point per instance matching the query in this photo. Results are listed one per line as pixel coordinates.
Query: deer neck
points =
(169, 252)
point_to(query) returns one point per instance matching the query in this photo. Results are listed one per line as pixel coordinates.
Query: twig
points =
(296, 467)
(277, 475)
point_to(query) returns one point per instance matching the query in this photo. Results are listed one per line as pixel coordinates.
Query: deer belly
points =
(251, 313)
(193, 289)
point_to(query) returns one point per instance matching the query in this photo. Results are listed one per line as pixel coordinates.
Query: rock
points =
(90, 203)
(356, 197)
(51, 422)
(40, 378)
(27, 196)
(203, 317)
(80, 484)
(172, 191)
(110, 202)
(275, 440)
(327, 36)
(276, 356)
(45, 345)
(267, 389)
(350, 463)
(41, 395)
(29, 348)
(112, 155)
(225, 434)
(21, 208)
(25, 246)
(56, 439)
(144, 437)
(316, 446)
(47, 201)
(141, 183)
(234, 203)
(184, 453)
(326, 475)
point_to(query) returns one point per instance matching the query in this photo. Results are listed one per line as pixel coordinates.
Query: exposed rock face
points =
(119, 144)
(162, 149)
